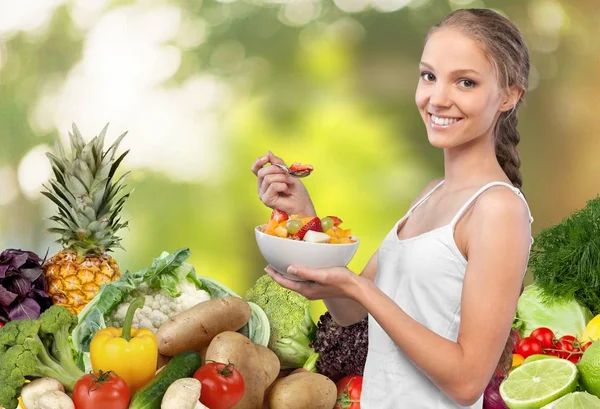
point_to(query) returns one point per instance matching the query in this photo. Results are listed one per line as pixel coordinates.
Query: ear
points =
(510, 98)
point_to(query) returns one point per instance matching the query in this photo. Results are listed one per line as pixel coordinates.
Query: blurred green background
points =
(206, 87)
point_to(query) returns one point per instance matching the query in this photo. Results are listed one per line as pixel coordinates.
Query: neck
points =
(472, 164)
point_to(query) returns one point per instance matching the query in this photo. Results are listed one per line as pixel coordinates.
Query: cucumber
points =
(182, 365)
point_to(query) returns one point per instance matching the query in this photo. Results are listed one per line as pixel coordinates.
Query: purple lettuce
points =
(22, 292)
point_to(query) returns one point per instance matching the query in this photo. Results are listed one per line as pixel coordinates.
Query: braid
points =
(507, 139)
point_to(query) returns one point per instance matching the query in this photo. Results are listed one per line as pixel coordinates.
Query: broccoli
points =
(292, 327)
(24, 353)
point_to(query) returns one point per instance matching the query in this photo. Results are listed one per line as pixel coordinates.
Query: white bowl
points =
(280, 253)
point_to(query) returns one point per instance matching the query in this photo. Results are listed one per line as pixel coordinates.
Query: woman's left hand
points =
(321, 283)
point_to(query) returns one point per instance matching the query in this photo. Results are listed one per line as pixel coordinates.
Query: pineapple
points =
(89, 200)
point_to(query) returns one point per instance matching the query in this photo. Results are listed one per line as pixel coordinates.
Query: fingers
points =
(269, 170)
(297, 286)
(306, 273)
(272, 178)
(263, 160)
(274, 159)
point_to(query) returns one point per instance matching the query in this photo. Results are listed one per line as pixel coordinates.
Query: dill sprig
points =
(565, 258)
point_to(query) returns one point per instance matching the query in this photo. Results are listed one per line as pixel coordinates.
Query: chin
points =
(442, 140)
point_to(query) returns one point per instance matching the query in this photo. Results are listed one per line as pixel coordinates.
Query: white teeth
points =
(443, 121)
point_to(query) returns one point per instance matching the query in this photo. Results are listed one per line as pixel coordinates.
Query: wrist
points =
(357, 287)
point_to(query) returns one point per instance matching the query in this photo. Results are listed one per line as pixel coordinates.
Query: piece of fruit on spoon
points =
(89, 198)
(301, 170)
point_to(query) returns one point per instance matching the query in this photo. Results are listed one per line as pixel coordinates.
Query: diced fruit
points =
(312, 236)
(293, 226)
(538, 383)
(344, 240)
(305, 220)
(331, 233)
(272, 225)
(314, 224)
(300, 169)
(279, 215)
(281, 231)
(326, 223)
(336, 220)
(347, 233)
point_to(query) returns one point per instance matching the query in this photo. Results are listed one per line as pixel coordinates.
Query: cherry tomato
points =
(585, 346)
(564, 348)
(529, 346)
(101, 390)
(1, 324)
(349, 391)
(222, 385)
(545, 336)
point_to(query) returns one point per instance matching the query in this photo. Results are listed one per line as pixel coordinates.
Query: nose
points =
(439, 96)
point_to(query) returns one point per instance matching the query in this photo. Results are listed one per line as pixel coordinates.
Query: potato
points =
(193, 329)
(258, 365)
(303, 390)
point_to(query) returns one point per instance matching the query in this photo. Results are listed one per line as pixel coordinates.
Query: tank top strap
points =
(483, 189)
(424, 198)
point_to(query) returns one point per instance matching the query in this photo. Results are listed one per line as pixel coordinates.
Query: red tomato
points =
(222, 385)
(564, 348)
(529, 346)
(545, 336)
(1, 324)
(585, 346)
(102, 390)
(349, 391)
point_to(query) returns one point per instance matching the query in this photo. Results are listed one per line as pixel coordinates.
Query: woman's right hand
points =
(278, 190)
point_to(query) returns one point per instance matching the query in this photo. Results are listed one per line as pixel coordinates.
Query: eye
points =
(467, 83)
(427, 76)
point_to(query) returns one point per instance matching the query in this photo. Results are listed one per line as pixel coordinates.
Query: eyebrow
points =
(456, 72)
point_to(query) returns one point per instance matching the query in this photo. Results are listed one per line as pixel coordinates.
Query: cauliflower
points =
(159, 307)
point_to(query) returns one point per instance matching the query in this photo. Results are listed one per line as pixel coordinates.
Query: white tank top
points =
(424, 276)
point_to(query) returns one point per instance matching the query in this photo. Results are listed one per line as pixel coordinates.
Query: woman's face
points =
(458, 95)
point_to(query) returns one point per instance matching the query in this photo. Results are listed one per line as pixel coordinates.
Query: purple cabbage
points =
(22, 286)
(343, 350)
(491, 397)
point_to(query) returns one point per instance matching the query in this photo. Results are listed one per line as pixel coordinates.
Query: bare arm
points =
(346, 311)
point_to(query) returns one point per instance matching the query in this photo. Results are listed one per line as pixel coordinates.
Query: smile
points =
(437, 122)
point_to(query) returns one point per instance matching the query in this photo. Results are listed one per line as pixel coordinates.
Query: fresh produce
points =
(300, 169)
(529, 346)
(349, 389)
(130, 352)
(575, 400)
(197, 326)
(303, 390)
(36, 349)
(310, 229)
(535, 309)
(30, 394)
(517, 360)
(89, 199)
(101, 390)
(55, 400)
(592, 330)
(292, 327)
(161, 285)
(544, 335)
(538, 383)
(342, 350)
(589, 369)
(184, 393)
(181, 366)
(258, 365)
(491, 395)
(565, 258)
(222, 385)
(22, 293)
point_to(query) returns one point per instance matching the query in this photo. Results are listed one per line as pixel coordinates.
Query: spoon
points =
(295, 173)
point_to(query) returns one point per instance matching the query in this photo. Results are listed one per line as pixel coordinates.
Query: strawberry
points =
(313, 224)
(300, 169)
(279, 216)
(336, 220)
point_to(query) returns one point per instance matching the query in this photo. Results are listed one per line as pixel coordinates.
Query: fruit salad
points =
(307, 228)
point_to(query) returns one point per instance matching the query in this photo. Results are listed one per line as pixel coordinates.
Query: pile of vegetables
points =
(170, 286)
(22, 292)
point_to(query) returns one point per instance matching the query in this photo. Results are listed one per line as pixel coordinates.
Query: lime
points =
(537, 357)
(589, 368)
(535, 384)
(575, 400)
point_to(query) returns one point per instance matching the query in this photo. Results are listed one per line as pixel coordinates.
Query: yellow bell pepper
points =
(592, 330)
(129, 352)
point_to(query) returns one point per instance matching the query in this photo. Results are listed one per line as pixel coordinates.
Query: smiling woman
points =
(441, 290)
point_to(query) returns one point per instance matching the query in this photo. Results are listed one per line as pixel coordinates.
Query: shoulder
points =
(426, 190)
(499, 205)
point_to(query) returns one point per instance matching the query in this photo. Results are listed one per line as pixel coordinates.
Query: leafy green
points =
(535, 310)
(565, 258)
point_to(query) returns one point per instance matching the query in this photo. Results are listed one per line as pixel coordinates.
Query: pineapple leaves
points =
(88, 202)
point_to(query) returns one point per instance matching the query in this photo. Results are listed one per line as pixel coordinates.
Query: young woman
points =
(441, 291)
